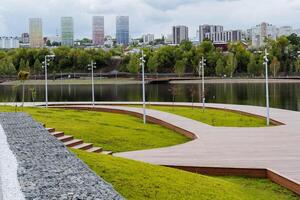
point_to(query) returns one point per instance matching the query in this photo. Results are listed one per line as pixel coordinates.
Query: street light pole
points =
(46, 64)
(201, 70)
(266, 60)
(142, 59)
(92, 67)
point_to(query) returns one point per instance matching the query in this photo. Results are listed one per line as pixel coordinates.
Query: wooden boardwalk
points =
(272, 148)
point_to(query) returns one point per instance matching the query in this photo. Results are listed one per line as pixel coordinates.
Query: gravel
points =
(46, 169)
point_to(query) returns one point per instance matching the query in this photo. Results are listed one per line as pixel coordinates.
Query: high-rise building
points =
(205, 31)
(98, 30)
(9, 43)
(216, 34)
(122, 30)
(262, 32)
(67, 31)
(180, 33)
(24, 38)
(147, 38)
(284, 31)
(36, 33)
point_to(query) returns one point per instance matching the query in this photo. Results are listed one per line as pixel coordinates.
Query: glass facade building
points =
(98, 30)
(67, 31)
(36, 33)
(122, 30)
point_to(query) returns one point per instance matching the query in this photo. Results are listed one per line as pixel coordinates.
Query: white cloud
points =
(147, 16)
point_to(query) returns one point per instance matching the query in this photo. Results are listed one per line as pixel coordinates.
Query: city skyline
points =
(98, 30)
(67, 31)
(147, 16)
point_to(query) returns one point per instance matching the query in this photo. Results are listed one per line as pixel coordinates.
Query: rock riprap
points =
(46, 169)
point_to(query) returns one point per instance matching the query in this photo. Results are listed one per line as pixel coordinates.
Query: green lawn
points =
(137, 180)
(113, 132)
(214, 117)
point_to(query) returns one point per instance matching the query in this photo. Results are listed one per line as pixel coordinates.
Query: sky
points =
(146, 16)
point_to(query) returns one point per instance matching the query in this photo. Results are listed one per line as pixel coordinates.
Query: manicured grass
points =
(113, 132)
(214, 117)
(137, 180)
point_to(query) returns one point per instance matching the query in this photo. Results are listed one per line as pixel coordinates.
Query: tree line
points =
(184, 58)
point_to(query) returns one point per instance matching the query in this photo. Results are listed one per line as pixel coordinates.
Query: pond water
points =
(282, 95)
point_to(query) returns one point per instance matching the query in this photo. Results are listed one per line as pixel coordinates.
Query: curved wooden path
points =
(272, 152)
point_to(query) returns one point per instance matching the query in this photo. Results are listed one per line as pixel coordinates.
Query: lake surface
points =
(282, 95)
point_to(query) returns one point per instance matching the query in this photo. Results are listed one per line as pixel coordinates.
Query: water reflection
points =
(282, 95)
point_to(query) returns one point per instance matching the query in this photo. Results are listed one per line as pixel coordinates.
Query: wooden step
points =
(84, 146)
(107, 152)
(50, 130)
(73, 143)
(95, 150)
(57, 134)
(65, 138)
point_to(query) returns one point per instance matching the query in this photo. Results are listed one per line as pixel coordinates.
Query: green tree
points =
(241, 54)
(37, 66)
(166, 58)
(134, 64)
(186, 45)
(152, 64)
(297, 65)
(220, 67)
(294, 39)
(27, 66)
(23, 76)
(231, 64)
(179, 67)
(253, 66)
(7, 67)
(22, 65)
(274, 66)
(48, 43)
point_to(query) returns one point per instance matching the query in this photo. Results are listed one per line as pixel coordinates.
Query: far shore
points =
(121, 81)
(128, 81)
(236, 80)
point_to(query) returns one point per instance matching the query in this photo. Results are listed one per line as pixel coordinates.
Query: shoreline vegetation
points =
(128, 81)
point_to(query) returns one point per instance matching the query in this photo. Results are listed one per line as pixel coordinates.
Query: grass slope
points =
(137, 180)
(114, 132)
(214, 117)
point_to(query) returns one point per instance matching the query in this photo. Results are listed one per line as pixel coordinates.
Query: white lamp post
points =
(201, 71)
(46, 64)
(142, 63)
(266, 60)
(92, 66)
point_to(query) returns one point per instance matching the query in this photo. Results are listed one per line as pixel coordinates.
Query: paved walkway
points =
(275, 148)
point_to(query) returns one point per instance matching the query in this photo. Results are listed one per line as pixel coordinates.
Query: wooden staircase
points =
(71, 142)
